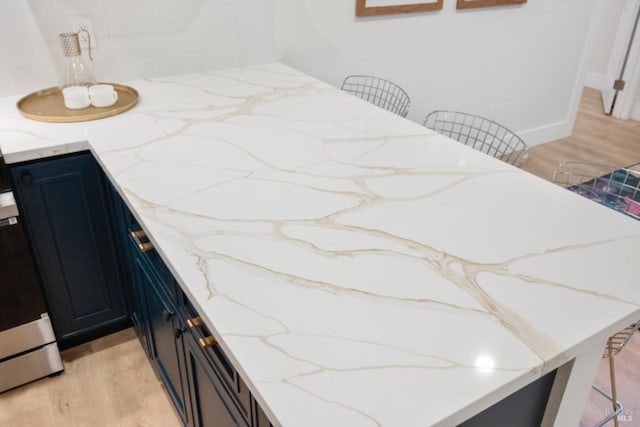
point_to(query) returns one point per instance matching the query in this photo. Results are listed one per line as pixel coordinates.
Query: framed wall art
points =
(466, 4)
(387, 7)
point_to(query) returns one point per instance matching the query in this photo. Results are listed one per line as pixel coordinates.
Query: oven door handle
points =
(8, 207)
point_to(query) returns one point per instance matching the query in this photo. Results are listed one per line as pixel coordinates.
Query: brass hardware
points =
(619, 84)
(144, 247)
(207, 341)
(195, 322)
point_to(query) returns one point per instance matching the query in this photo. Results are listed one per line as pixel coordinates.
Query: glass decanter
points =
(76, 72)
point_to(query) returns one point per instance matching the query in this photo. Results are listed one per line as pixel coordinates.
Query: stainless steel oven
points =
(28, 348)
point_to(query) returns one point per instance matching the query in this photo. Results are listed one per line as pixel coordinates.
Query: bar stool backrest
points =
(378, 91)
(481, 134)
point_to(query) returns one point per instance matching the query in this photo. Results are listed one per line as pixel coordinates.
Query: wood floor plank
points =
(596, 138)
(107, 382)
(627, 364)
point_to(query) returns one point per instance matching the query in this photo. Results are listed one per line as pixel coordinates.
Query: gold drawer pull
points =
(196, 322)
(207, 341)
(144, 247)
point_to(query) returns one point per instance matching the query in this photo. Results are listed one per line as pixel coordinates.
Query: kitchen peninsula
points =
(357, 268)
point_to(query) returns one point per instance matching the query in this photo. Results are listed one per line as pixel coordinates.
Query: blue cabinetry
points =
(101, 273)
(132, 271)
(203, 385)
(65, 209)
(166, 331)
(212, 404)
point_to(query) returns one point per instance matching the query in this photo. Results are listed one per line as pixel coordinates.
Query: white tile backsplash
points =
(136, 38)
(132, 24)
(78, 7)
(126, 7)
(26, 29)
(40, 7)
(15, 9)
(175, 20)
(114, 49)
(16, 82)
(24, 57)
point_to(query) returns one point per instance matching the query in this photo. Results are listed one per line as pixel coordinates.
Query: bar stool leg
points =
(612, 375)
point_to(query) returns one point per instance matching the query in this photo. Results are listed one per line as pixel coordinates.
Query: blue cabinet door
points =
(124, 224)
(64, 206)
(211, 402)
(165, 339)
(260, 419)
(139, 314)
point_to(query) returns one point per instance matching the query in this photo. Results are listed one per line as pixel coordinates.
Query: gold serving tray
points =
(47, 105)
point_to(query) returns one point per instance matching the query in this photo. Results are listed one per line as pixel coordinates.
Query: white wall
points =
(518, 65)
(136, 38)
(607, 25)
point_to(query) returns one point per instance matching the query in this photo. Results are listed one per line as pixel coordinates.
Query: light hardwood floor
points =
(596, 138)
(109, 382)
(627, 365)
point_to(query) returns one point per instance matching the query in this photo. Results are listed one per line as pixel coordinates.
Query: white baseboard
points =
(635, 112)
(546, 133)
(595, 80)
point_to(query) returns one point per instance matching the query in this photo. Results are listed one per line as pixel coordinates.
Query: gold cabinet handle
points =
(144, 247)
(196, 322)
(207, 341)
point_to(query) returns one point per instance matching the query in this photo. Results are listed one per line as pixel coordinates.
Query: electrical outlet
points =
(84, 23)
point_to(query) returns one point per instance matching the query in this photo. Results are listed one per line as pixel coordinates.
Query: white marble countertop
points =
(357, 268)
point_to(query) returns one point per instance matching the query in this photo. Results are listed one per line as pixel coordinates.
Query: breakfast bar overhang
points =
(357, 268)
